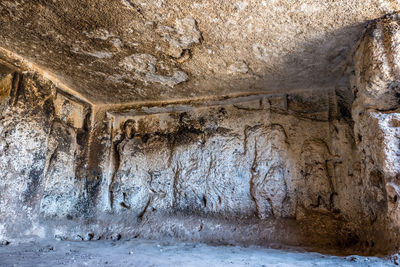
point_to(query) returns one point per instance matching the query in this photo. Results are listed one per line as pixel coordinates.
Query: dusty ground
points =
(139, 252)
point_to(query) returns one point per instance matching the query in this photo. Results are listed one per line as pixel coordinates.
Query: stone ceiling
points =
(124, 51)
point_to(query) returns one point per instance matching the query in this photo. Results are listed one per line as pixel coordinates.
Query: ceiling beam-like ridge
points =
(11, 58)
(207, 100)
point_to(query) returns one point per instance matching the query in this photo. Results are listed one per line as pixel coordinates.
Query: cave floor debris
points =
(139, 252)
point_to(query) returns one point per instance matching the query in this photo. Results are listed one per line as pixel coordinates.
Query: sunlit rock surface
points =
(315, 167)
(376, 115)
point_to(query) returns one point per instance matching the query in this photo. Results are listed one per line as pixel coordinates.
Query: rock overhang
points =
(138, 51)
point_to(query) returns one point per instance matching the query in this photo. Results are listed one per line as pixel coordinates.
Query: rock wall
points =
(256, 169)
(316, 168)
(42, 145)
(376, 114)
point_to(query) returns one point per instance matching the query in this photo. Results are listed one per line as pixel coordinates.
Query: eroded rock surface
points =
(260, 165)
(375, 113)
(285, 45)
(313, 168)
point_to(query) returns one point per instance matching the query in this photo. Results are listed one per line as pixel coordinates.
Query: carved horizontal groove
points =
(207, 101)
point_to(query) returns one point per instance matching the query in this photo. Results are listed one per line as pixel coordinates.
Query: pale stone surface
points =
(376, 112)
(245, 170)
(316, 167)
(144, 68)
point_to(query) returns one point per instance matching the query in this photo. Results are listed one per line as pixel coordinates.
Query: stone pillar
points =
(376, 116)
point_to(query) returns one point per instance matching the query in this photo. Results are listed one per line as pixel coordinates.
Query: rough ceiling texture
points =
(121, 51)
(240, 123)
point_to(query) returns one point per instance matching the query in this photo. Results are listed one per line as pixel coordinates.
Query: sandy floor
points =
(156, 253)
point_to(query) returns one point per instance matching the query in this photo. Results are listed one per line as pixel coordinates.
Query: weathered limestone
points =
(208, 171)
(376, 112)
(313, 168)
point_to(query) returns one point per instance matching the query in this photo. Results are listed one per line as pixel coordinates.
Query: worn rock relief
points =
(251, 161)
(313, 168)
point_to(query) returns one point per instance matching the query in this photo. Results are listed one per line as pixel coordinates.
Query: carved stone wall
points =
(210, 171)
(316, 168)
